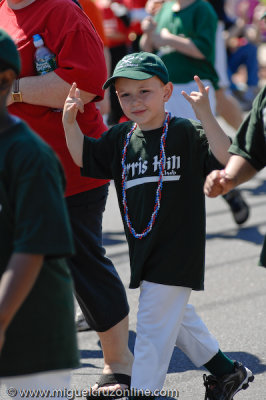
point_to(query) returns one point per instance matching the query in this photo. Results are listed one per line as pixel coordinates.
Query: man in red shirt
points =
(69, 34)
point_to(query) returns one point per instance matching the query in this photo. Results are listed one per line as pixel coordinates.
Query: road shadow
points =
(248, 234)
(179, 361)
(113, 238)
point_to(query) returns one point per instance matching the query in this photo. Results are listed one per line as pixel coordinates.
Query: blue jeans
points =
(99, 289)
(244, 55)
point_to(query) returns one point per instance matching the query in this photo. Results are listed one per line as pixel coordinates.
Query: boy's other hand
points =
(72, 105)
(199, 100)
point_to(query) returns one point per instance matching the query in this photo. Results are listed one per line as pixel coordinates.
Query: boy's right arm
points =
(74, 136)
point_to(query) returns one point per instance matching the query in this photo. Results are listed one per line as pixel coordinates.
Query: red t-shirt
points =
(69, 34)
(116, 32)
(135, 25)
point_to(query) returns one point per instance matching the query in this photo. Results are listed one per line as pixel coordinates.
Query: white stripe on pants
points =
(178, 106)
(52, 381)
(165, 319)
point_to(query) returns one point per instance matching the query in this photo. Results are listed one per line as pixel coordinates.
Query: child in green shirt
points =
(38, 345)
(159, 165)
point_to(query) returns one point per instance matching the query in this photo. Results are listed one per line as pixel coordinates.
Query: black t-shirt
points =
(173, 252)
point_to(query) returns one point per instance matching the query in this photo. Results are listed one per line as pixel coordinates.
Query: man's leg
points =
(99, 290)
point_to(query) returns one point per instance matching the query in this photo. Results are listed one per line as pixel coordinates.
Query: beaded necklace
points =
(160, 181)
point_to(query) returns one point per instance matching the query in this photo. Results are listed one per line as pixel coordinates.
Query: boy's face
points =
(143, 101)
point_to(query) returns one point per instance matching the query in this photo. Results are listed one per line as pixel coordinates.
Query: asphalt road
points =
(232, 306)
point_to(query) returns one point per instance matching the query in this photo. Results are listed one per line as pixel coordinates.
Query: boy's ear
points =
(168, 90)
(6, 79)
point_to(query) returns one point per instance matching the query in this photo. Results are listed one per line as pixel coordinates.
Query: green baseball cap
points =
(9, 55)
(139, 66)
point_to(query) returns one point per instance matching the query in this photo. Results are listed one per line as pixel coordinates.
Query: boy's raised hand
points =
(199, 100)
(72, 105)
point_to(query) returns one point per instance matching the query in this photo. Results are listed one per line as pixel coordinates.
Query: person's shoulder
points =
(67, 13)
(27, 148)
(205, 6)
(183, 123)
(182, 128)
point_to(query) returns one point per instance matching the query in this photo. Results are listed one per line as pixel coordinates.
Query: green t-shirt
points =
(249, 143)
(173, 252)
(197, 22)
(34, 220)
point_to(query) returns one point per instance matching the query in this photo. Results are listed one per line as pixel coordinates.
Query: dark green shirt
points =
(34, 220)
(197, 22)
(173, 252)
(249, 143)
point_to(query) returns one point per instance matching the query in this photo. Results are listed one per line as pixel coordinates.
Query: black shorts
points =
(99, 289)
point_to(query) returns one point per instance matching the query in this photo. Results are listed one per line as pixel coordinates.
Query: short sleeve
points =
(98, 156)
(205, 24)
(81, 60)
(250, 140)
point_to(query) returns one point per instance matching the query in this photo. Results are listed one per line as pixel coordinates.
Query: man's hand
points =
(218, 183)
(148, 25)
(72, 105)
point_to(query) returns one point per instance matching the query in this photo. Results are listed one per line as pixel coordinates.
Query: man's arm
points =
(15, 285)
(151, 40)
(47, 90)
(181, 44)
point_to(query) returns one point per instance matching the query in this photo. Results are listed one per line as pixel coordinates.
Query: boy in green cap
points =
(38, 346)
(159, 164)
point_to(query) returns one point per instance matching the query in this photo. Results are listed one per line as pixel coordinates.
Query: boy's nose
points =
(135, 99)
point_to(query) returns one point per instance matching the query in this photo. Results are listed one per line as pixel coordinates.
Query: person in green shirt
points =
(248, 156)
(38, 346)
(159, 165)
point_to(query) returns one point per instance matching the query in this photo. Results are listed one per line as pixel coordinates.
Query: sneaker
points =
(80, 321)
(226, 387)
(239, 207)
(82, 325)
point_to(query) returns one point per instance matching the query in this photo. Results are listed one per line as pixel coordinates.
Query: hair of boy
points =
(9, 56)
(139, 66)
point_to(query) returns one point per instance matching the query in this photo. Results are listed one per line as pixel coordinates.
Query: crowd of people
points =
(128, 76)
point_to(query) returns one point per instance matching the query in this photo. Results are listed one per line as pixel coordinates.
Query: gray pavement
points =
(232, 306)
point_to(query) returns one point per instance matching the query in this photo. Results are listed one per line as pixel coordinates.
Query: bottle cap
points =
(37, 40)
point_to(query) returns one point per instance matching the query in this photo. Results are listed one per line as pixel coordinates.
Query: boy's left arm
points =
(218, 140)
(74, 136)
(15, 285)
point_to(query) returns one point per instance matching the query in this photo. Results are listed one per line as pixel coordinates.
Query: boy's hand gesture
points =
(72, 105)
(199, 100)
(218, 182)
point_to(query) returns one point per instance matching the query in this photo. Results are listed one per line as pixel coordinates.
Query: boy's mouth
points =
(138, 112)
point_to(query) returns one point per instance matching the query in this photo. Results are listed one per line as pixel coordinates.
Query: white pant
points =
(180, 107)
(57, 382)
(164, 320)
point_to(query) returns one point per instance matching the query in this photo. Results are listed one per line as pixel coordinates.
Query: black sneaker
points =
(239, 207)
(226, 387)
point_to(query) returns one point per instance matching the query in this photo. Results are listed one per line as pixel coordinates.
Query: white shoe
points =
(81, 323)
